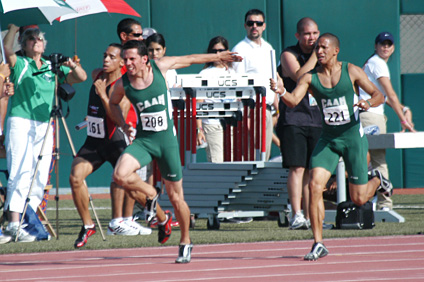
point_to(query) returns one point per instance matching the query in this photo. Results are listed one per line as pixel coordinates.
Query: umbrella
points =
(27, 12)
(88, 7)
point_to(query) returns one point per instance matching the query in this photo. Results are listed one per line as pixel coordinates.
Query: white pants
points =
(214, 135)
(24, 140)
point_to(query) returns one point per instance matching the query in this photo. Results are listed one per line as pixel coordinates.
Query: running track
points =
(397, 258)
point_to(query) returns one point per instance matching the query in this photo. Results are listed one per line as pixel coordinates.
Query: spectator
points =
(378, 72)
(256, 53)
(7, 90)
(28, 121)
(210, 130)
(4, 72)
(299, 128)
(156, 48)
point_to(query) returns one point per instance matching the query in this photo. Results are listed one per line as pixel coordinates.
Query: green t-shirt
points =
(33, 98)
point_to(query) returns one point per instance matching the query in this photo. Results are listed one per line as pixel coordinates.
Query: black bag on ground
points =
(351, 216)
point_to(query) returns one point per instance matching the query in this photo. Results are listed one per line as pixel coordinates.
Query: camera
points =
(66, 92)
(57, 58)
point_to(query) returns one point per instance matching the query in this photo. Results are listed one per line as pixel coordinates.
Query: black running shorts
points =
(98, 151)
(297, 144)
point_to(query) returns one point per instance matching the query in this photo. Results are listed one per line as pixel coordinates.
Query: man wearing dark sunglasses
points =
(257, 60)
(129, 29)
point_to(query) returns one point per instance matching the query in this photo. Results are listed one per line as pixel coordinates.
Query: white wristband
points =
(284, 93)
(405, 109)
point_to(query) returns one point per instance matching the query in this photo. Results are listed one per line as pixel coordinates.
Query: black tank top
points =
(303, 114)
(96, 109)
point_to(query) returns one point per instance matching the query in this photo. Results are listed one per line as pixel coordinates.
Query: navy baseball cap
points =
(383, 37)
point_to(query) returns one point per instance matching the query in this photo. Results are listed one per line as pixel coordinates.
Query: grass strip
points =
(258, 230)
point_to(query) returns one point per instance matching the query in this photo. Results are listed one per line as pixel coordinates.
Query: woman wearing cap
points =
(378, 72)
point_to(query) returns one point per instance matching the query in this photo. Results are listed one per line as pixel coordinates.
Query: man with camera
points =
(29, 116)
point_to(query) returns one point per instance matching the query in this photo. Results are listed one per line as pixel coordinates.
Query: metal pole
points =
(341, 181)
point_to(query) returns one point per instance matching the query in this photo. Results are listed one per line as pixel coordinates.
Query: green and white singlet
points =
(342, 133)
(156, 136)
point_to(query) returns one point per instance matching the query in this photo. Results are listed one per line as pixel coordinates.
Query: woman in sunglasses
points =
(28, 121)
(210, 131)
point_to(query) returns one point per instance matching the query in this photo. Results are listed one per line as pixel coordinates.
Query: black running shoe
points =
(184, 253)
(150, 209)
(164, 231)
(386, 187)
(83, 236)
(318, 251)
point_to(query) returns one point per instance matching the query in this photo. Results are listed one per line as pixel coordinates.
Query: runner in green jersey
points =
(145, 86)
(334, 86)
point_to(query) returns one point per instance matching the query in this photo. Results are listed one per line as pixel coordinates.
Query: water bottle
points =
(202, 145)
(372, 130)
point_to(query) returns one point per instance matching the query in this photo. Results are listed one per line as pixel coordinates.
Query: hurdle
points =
(244, 185)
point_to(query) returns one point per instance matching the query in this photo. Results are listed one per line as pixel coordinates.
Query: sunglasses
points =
(33, 38)
(251, 23)
(218, 50)
(136, 34)
(386, 42)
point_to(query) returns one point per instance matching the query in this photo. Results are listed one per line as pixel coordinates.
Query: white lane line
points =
(400, 273)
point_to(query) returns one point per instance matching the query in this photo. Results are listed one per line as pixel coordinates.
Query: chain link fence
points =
(412, 44)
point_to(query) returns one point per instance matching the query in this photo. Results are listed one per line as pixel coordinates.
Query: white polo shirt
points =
(256, 59)
(375, 68)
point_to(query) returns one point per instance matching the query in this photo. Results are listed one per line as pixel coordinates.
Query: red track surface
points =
(397, 258)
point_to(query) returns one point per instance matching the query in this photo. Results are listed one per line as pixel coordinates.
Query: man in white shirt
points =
(256, 53)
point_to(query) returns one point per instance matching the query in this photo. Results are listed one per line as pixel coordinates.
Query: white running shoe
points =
(142, 230)
(298, 222)
(24, 236)
(4, 238)
(307, 223)
(184, 253)
(122, 229)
